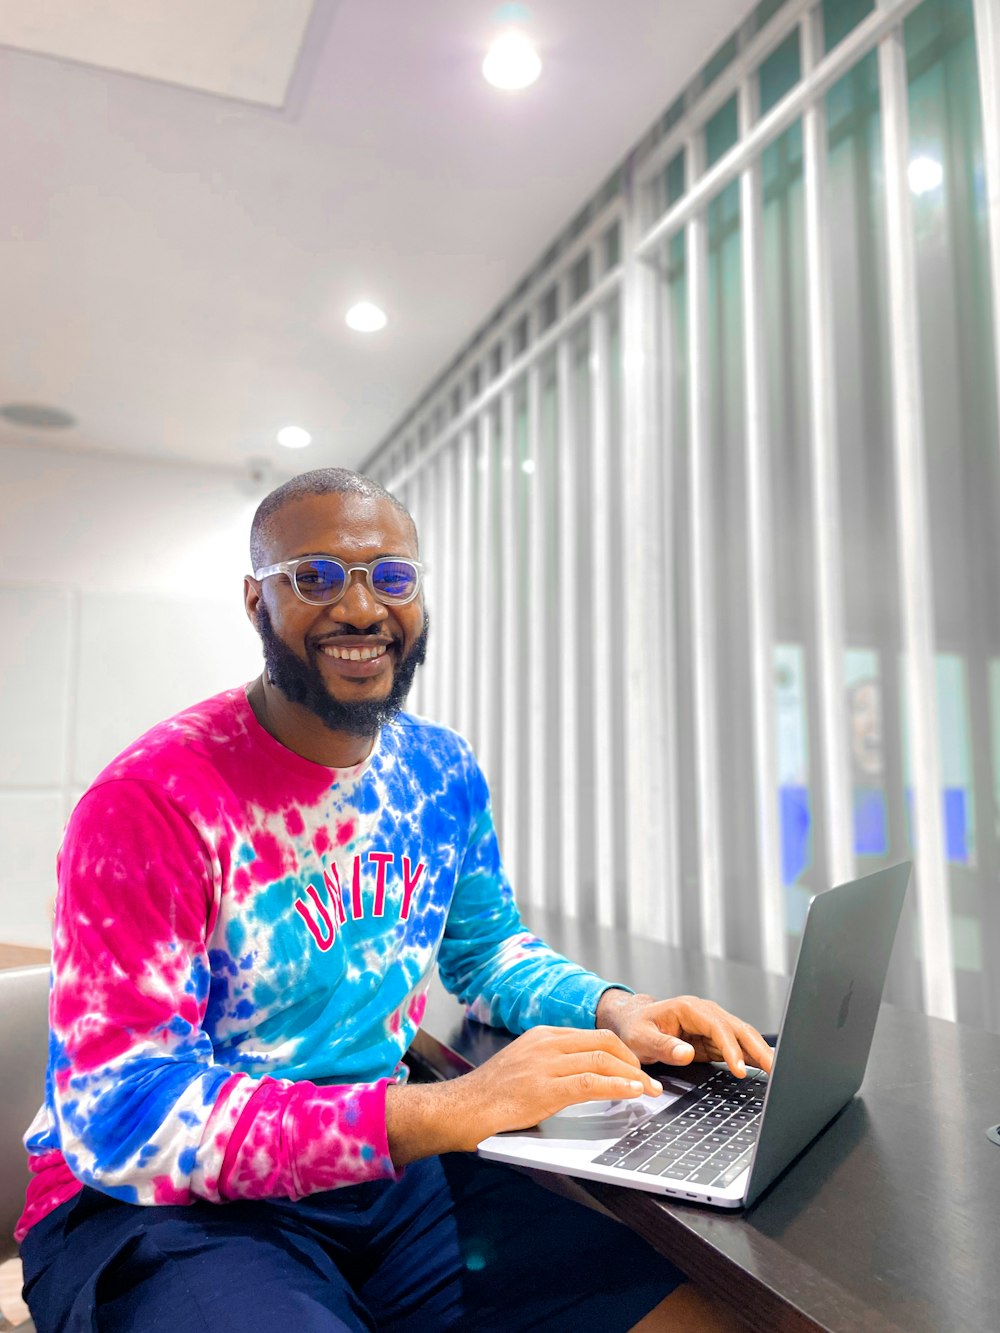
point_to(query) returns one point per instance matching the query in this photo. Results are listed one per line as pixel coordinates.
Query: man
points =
(251, 900)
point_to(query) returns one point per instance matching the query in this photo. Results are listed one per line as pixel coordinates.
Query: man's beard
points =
(302, 683)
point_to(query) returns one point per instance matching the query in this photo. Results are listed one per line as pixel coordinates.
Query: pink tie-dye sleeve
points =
(142, 1110)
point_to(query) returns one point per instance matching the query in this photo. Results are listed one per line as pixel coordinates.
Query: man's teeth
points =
(353, 654)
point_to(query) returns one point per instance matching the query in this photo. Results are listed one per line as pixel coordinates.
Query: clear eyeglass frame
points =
(290, 569)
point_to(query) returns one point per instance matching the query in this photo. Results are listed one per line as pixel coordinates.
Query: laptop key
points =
(665, 1165)
(726, 1154)
(704, 1175)
(713, 1172)
(695, 1156)
(631, 1161)
(613, 1155)
(735, 1168)
(687, 1140)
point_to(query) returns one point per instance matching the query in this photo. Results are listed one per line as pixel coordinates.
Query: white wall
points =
(120, 603)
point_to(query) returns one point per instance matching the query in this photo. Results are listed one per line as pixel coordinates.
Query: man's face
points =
(306, 647)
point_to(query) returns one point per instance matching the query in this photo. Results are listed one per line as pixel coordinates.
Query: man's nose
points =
(359, 606)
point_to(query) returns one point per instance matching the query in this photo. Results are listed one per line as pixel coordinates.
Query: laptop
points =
(720, 1140)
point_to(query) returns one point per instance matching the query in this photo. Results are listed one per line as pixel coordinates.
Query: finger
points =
(725, 1038)
(610, 1041)
(711, 1021)
(588, 1086)
(671, 1050)
(655, 1037)
(757, 1049)
(605, 1065)
(587, 1039)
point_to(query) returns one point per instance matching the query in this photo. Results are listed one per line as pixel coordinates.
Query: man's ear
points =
(252, 592)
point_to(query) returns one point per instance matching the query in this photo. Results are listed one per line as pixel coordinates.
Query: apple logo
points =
(845, 1004)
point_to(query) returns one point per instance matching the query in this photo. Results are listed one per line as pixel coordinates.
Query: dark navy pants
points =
(457, 1243)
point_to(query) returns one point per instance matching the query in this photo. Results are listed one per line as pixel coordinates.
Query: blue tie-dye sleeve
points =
(507, 976)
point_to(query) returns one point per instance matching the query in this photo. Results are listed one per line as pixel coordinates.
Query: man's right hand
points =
(538, 1074)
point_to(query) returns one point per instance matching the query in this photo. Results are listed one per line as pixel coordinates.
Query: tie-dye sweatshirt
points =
(242, 946)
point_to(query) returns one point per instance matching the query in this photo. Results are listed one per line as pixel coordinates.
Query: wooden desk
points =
(888, 1224)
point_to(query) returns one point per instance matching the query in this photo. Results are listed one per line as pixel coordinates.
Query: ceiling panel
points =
(234, 48)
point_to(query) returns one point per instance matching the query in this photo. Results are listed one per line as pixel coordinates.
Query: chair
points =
(24, 1039)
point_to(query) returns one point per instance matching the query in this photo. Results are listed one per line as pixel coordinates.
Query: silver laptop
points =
(723, 1140)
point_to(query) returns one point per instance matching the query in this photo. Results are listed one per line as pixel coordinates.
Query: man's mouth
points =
(347, 654)
(357, 656)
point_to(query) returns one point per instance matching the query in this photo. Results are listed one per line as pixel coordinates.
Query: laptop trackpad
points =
(600, 1120)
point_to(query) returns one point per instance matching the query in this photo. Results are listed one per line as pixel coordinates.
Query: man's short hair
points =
(321, 481)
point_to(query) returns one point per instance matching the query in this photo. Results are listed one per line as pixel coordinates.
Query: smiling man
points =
(252, 899)
(352, 672)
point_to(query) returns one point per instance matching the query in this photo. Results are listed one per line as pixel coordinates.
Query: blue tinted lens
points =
(320, 580)
(394, 580)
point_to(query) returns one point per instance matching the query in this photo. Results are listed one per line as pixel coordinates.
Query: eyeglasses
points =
(322, 580)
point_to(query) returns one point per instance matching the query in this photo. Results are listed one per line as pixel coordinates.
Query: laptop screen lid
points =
(830, 1015)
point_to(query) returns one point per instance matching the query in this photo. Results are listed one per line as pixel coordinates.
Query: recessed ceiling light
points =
(37, 415)
(294, 437)
(512, 62)
(366, 317)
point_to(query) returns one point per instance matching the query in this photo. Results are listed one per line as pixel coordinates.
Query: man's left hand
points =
(681, 1030)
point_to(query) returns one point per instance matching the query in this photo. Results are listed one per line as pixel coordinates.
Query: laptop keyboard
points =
(705, 1137)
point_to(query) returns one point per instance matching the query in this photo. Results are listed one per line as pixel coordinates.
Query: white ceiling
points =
(175, 264)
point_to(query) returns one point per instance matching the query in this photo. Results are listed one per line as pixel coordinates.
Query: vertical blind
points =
(711, 508)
